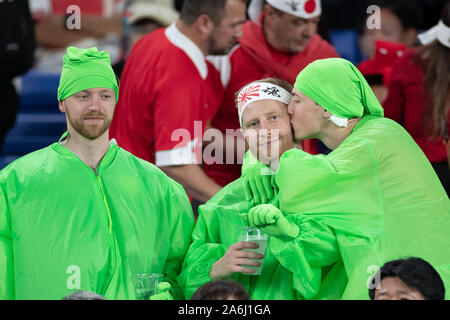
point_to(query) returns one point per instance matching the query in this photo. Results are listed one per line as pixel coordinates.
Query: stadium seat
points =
(4, 161)
(345, 42)
(38, 92)
(33, 131)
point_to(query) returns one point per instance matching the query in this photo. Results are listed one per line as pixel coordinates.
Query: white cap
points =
(161, 11)
(300, 8)
(440, 32)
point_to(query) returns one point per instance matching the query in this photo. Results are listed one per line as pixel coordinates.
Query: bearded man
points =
(83, 213)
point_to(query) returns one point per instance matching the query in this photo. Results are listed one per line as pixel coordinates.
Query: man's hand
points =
(163, 292)
(257, 179)
(269, 219)
(233, 260)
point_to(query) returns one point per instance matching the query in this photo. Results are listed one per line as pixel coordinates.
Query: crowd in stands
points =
(151, 131)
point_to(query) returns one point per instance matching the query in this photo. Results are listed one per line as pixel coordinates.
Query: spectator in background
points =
(79, 23)
(140, 18)
(221, 290)
(377, 70)
(419, 95)
(407, 279)
(53, 19)
(400, 21)
(169, 92)
(17, 45)
(279, 41)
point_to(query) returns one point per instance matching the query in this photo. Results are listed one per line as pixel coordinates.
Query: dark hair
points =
(434, 60)
(220, 290)
(416, 273)
(192, 9)
(84, 295)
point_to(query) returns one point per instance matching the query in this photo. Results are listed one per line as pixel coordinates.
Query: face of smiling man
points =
(267, 128)
(89, 112)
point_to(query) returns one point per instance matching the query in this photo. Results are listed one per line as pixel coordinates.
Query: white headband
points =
(300, 8)
(260, 91)
(440, 32)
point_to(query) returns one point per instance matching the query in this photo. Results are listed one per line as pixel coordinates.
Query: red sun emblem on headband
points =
(310, 6)
(248, 94)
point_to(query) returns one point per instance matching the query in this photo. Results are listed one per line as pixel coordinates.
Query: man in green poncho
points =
(84, 214)
(216, 252)
(376, 193)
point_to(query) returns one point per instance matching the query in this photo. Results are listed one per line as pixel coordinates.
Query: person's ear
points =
(62, 107)
(204, 24)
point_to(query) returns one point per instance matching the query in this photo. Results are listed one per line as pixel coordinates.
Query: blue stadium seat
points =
(345, 42)
(4, 161)
(20, 146)
(33, 132)
(38, 92)
(32, 124)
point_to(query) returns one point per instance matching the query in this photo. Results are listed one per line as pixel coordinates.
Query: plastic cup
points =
(146, 285)
(254, 235)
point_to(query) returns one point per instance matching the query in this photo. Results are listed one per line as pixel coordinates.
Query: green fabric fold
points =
(338, 86)
(85, 69)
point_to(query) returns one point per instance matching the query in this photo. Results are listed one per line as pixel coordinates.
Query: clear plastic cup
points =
(257, 236)
(146, 285)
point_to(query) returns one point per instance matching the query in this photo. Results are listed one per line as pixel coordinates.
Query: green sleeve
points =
(330, 198)
(314, 248)
(204, 251)
(341, 189)
(181, 228)
(6, 251)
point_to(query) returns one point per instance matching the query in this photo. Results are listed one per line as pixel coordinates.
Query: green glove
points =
(271, 220)
(163, 292)
(257, 179)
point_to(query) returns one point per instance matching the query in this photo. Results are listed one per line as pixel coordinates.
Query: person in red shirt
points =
(377, 70)
(279, 41)
(169, 91)
(399, 22)
(419, 95)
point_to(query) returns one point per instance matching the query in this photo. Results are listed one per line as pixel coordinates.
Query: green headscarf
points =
(338, 86)
(85, 69)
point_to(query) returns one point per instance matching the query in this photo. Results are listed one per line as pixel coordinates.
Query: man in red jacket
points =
(279, 41)
(169, 92)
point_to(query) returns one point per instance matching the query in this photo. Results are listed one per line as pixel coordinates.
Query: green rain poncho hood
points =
(338, 86)
(85, 69)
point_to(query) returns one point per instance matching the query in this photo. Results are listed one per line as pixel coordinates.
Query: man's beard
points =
(87, 131)
(215, 50)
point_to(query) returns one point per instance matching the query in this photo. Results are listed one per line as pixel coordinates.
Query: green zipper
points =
(104, 200)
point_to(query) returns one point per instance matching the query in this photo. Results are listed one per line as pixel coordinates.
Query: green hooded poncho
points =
(65, 227)
(376, 191)
(373, 199)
